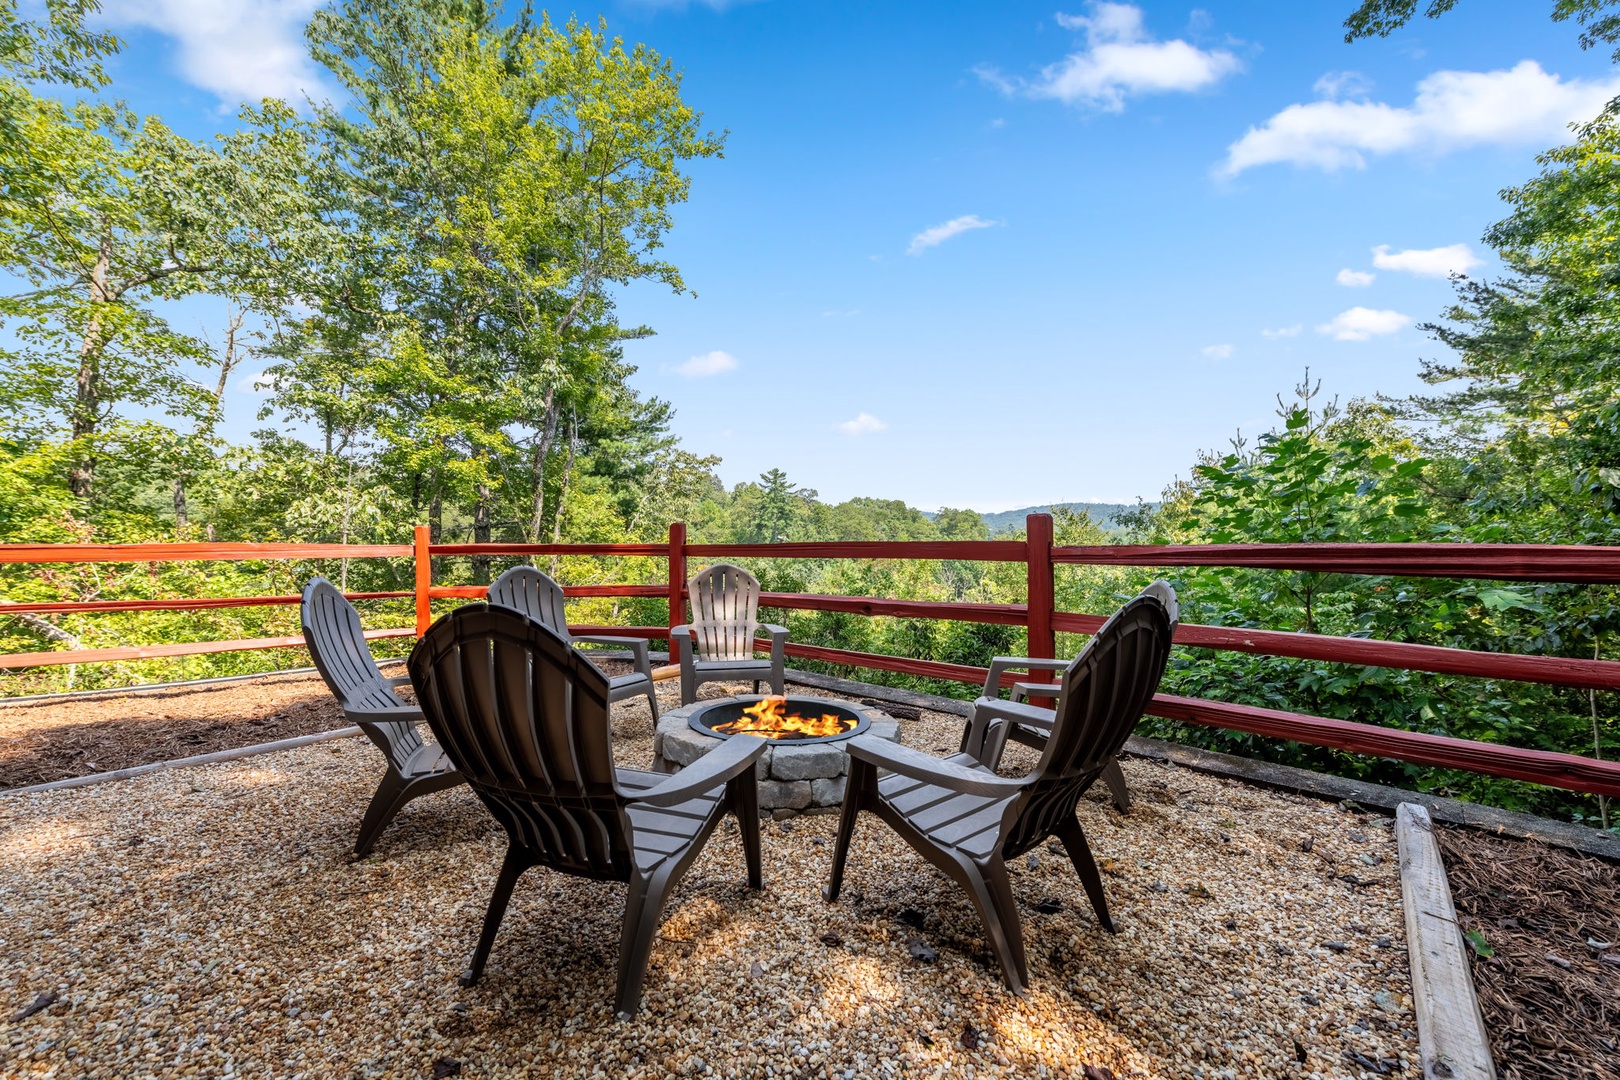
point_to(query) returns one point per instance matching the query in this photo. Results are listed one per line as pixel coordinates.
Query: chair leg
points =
(643, 905)
(513, 866)
(689, 685)
(1074, 842)
(756, 686)
(854, 791)
(652, 701)
(992, 895)
(745, 804)
(1114, 777)
(393, 793)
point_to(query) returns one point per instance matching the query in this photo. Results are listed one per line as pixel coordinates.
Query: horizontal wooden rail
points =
(139, 553)
(1568, 771)
(932, 669)
(1003, 614)
(179, 648)
(1569, 563)
(963, 550)
(1552, 670)
(478, 592)
(657, 550)
(87, 607)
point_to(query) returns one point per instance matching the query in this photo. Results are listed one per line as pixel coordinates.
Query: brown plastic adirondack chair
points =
(967, 821)
(541, 599)
(1031, 724)
(718, 644)
(524, 717)
(338, 647)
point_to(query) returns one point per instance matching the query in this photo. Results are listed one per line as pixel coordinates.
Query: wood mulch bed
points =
(1550, 920)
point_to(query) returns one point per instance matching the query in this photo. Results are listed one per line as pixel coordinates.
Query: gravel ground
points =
(211, 922)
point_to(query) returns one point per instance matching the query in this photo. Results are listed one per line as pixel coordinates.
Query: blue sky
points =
(998, 254)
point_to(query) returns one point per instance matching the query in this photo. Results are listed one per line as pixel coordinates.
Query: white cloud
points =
(1440, 262)
(940, 233)
(1120, 59)
(863, 424)
(241, 50)
(1452, 110)
(710, 363)
(1359, 324)
(1342, 84)
(1218, 352)
(258, 382)
(1282, 332)
(1355, 279)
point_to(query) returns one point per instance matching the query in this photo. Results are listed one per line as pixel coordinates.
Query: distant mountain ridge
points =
(1102, 513)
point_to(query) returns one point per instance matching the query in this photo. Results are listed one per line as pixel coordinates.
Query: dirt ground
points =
(1550, 920)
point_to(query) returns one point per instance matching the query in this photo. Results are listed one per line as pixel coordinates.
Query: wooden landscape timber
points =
(1451, 1029)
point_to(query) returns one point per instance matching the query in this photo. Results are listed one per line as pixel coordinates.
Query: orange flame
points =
(769, 719)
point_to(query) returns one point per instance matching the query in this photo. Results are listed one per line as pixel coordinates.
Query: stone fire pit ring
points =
(794, 777)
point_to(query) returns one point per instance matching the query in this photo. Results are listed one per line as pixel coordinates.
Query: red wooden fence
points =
(1503, 562)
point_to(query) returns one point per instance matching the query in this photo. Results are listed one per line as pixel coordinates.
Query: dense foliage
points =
(429, 267)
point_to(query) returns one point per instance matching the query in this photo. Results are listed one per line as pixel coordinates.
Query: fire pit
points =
(804, 768)
(798, 720)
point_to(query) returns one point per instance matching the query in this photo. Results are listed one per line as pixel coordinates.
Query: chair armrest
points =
(637, 646)
(898, 758)
(1002, 664)
(1016, 711)
(680, 641)
(708, 772)
(779, 636)
(398, 680)
(404, 713)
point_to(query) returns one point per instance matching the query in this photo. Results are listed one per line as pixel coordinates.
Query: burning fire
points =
(769, 719)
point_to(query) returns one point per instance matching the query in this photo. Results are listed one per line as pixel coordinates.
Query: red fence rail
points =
(1573, 564)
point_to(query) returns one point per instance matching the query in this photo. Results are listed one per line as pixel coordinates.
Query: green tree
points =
(1599, 22)
(493, 183)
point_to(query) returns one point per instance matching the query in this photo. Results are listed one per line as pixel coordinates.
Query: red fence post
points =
(1038, 542)
(677, 583)
(424, 579)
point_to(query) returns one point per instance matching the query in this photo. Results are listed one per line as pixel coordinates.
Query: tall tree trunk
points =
(87, 389)
(481, 563)
(537, 465)
(180, 519)
(562, 492)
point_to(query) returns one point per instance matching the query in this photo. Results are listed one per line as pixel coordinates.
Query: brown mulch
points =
(64, 736)
(1551, 917)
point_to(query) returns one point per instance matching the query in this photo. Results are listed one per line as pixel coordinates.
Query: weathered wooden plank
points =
(181, 648)
(965, 550)
(139, 553)
(1451, 1029)
(1555, 670)
(1577, 563)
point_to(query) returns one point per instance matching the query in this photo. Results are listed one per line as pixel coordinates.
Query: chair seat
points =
(969, 823)
(732, 665)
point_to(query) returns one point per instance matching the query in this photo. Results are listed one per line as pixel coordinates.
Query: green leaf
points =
(1482, 948)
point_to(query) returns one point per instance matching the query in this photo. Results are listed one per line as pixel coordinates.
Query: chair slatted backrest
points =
(524, 717)
(1104, 693)
(725, 612)
(536, 595)
(337, 644)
